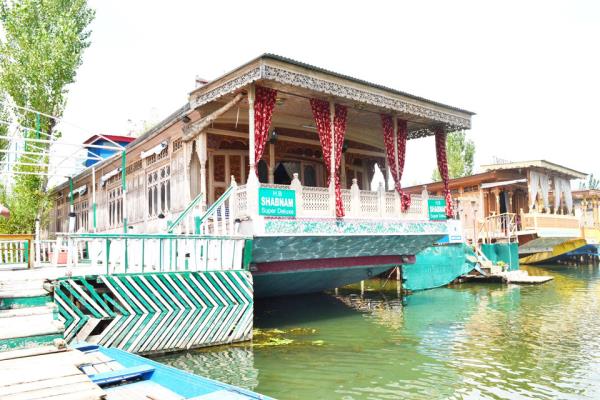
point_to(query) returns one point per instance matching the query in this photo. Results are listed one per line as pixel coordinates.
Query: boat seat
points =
(106, 378)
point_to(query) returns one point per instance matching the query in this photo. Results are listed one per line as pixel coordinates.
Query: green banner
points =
(277, 202)
(437, 209)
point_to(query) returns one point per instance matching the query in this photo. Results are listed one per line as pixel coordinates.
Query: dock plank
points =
(88, 389)
(45, 374)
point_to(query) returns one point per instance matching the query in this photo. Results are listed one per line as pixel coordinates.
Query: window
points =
(115, 207)
(81, 215)
(159, 191)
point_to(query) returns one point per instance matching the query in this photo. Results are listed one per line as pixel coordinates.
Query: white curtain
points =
(545, 185)
(557, 192)
(566, 188)
(534, 183)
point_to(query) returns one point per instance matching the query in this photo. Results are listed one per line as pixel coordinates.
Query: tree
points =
(460, 152)
(41, 50)
(591, 184)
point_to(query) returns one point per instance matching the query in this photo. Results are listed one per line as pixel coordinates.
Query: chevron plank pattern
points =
(157, 312)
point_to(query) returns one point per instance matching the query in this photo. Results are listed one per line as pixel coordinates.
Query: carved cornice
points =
(286, 77)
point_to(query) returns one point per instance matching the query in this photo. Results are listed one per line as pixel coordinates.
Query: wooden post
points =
(202, 151)
(381, 199)
(354, 199)
(297, 187)
(251, 144)
(94, 206)
(271, 163)
(424, 201)
(252, 183)
(395, 123)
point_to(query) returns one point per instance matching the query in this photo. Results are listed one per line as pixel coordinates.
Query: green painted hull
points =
(311, 281)
(437, 266)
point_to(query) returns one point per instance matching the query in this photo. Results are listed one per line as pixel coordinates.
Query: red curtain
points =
(339, 131)
(396, 169)
(442, 162)
(264, 104)
(321, 114)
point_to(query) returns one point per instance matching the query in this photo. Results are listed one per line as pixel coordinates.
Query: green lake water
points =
(470, 341)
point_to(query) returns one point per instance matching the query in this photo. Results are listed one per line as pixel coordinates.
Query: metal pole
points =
(124, 188)
(94, 198)
(71, 207)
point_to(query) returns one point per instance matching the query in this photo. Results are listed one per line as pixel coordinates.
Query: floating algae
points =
(278, 337)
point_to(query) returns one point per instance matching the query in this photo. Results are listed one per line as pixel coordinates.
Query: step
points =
(29, 325)
(49, 308)
(12, 303)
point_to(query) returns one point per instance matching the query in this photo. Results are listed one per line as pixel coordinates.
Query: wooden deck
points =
(46, 373)
(519, 277)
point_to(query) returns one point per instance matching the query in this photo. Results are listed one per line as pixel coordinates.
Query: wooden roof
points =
(308, 81)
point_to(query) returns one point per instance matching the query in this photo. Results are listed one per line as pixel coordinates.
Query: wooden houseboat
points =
(283, 153)
(527, 202)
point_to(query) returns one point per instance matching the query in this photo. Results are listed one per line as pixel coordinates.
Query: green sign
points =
(437, 209)
(277, 202)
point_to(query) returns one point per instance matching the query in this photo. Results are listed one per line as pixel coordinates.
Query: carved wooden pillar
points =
(497, 196)
(252, 182)
(271, 163)
(202, 152)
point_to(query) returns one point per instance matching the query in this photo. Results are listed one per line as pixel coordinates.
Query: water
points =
(467, 342)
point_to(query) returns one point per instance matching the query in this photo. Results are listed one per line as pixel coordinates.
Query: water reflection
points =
(469, 341)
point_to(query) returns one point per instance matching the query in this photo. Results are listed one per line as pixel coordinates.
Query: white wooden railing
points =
(316, 202)
(134, 253)
(14, 253)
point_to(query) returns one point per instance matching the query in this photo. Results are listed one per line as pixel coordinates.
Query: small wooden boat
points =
(123, 375)
(92, 372)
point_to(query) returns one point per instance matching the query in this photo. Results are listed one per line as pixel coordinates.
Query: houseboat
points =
(281, 153)
(527, 203)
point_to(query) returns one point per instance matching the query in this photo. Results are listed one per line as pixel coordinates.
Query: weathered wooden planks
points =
(46, 372)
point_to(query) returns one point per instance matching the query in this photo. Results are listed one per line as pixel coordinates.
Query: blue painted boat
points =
(123, 375)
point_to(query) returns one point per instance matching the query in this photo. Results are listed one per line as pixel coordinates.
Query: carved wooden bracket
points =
(193, 130)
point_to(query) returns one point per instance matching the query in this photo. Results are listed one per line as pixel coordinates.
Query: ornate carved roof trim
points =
(345, 87)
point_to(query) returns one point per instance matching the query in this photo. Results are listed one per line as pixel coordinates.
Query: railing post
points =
(296, 186)
(397, 204)
(381, 199)
(424, 203)
(233, 204)
(354, 199)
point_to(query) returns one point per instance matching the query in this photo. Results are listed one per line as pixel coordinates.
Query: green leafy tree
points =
(40, 52)
(591, 184)
(460, 152)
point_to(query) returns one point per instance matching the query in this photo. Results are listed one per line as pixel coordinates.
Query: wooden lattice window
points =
(177, 145)
(115, 207)
(159, 191)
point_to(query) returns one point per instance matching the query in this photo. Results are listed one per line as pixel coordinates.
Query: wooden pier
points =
(519, 277)
(46, 372)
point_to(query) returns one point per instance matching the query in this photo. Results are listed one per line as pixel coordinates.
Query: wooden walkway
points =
(46, 373)
(519, 277)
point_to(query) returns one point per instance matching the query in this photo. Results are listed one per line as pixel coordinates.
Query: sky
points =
(530, 70)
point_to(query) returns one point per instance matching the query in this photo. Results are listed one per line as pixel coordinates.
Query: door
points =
(221, 166)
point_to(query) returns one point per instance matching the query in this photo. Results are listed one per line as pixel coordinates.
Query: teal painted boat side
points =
(508, 253)
(437, 266)
(285, 248)
(182, 383)
(312, 281)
